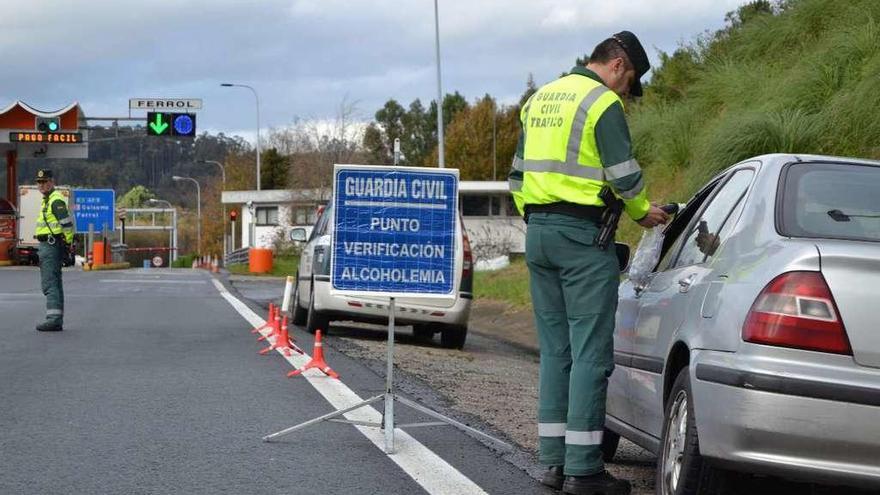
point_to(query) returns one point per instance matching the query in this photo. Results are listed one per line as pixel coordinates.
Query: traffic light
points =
(48, 124)
(171, 124)
(233, 215)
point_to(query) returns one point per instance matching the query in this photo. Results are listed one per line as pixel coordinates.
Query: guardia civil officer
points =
(574, 144)
(55, 233)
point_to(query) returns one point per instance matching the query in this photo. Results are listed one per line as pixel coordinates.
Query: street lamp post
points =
(257, 97)
(223, 175)
(440, 159)
(172, 241)
(198, 207)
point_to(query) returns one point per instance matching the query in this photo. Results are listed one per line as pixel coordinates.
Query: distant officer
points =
(55, 233)
(574, 143)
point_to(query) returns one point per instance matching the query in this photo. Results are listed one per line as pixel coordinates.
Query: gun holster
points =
(610, 217)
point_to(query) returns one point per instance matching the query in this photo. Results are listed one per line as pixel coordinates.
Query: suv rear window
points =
(831, 201)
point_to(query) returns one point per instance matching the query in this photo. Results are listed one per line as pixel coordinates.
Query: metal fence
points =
(237, 256)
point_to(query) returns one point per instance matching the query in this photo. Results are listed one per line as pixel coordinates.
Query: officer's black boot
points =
(50, 326)
(596, 484)
(554, 477)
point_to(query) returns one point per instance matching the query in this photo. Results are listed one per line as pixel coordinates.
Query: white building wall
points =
(264, 234)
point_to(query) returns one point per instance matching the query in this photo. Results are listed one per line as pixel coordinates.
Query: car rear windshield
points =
(831, 201)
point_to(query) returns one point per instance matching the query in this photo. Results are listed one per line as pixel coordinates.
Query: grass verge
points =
(509, 285)
(281, 267)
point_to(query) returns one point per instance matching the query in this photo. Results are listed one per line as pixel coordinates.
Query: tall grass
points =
(805, 79)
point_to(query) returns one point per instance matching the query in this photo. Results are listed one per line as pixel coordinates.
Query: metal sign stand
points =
(389, 397)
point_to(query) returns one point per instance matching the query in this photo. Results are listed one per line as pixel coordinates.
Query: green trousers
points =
(51, 256)
(574, 296)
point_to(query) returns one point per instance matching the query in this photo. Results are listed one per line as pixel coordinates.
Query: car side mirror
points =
(622, 252)
(298, 234)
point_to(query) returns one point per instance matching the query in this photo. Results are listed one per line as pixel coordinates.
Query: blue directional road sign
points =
(94, 206)
(394, 231)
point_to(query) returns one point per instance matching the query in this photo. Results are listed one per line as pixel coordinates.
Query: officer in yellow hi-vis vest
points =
(575, 150)
(55, 233)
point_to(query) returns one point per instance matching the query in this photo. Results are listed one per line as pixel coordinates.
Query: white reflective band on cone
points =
(551, 429)
(583, 437)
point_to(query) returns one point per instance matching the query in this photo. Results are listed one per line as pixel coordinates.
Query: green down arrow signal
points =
(158, 126)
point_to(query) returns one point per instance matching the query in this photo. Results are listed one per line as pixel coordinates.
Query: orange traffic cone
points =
(275, 327)
(317, 360)
(269, 319)
(283, 341)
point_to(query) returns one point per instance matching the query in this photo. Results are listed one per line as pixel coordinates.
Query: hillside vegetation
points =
(799, 76)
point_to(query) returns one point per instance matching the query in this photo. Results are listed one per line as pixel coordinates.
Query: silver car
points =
(754, 346)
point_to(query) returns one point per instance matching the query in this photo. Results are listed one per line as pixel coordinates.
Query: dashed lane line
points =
(428, 469)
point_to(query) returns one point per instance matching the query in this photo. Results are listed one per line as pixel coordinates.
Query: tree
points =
(136, 197)
(415, 127)
(387, 127)
(275, 168)
(531, 88)
(469, 140)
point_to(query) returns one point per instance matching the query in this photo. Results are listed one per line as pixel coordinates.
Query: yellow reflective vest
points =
(48, 223)
(561, 160)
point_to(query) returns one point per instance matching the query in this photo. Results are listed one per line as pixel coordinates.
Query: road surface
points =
(155, 386)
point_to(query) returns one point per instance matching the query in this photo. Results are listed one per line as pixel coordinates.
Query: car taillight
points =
(468, 259)
(796, 309)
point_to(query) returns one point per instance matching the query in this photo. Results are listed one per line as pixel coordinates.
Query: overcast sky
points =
(305, 56)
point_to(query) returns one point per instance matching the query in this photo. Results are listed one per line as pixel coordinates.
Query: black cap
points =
(637, 56)
(45, 174)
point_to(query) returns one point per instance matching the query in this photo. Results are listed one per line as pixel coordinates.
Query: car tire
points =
(453, 336)
(423, 333)
(610, 441)
(314, 320)
(299, 314)
(681, 470)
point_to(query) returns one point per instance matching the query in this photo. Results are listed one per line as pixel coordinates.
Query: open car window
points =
(673, 233)
(705, 235)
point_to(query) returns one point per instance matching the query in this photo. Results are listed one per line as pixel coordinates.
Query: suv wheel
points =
(681, 470)
(424, 333)
(299, 314)
(453, 336)
(314, 320)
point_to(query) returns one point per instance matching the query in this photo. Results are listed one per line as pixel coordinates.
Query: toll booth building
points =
(490, 218)
(28, 133)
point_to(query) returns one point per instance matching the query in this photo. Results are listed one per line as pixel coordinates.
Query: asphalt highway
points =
(155, 386)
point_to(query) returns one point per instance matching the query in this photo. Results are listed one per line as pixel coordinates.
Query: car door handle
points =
(685, 284)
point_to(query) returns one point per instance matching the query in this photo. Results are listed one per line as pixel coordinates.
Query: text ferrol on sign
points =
(394, 231)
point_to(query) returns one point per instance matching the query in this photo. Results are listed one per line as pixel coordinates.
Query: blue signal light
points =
(183, 125)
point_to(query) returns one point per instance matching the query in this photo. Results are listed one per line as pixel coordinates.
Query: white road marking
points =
(428, 469)
(150, 281)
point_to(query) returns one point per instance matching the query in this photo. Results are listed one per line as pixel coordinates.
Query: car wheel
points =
(610, 441)
(424, 333)
(299, 314)
(681, 470)
(314, 320)
(453, 336)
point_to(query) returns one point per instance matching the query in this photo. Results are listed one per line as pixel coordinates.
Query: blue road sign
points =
(394, 231)
(94, 206)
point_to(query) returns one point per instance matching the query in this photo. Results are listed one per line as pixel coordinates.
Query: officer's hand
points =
(655, 217)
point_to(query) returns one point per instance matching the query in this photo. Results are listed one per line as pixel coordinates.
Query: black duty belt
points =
(585, 212)
(45, 237)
